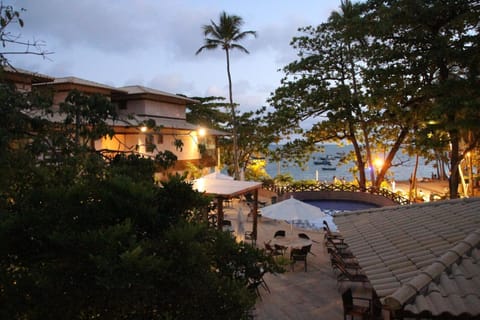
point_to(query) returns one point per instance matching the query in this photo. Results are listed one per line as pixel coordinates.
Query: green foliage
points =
(178, 143)
(165, 159)
(256, 170)
(85, 117)
(133, 165)
(283, 179)
(193, 172)
(226, 35)
(210, 112)
(254, 138)
(178, 202)
(375, 73)
(84, 239)
(11, 42)
(430, 50)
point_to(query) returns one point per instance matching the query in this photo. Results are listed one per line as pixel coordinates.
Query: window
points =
(149, 143)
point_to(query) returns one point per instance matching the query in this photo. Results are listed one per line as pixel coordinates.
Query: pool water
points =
(340, 205)
(331, 207)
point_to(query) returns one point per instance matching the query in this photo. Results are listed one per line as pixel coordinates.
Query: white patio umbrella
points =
(292, 209)
(240, 225)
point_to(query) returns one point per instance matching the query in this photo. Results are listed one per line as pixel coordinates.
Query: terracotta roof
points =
(172, 123)
(422, 258)
(137, 91)
(35, 76)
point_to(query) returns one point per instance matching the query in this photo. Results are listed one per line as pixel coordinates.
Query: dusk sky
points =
(153, 43)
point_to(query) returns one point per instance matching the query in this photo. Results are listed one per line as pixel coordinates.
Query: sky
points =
(153, 43)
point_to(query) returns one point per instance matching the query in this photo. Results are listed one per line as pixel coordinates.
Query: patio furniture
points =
(345, 275)
(292, 210)
(330, 234)
(348, 263)
(256, 282)
(355, 310)
(303, 236)
(306, 237)
(341, 248)
(271, 250)
(280, 248)
(300, 255)
(344, 254)
(249, 236)
(279, 233)
(291, 242)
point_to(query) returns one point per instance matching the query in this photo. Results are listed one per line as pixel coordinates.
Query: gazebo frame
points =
(223, 189)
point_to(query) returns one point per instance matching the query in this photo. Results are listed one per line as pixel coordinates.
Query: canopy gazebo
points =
(223, 189)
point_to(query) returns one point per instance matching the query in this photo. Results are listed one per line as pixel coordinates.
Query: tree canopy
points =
(373, 76)
(226, 35)
(86, 237)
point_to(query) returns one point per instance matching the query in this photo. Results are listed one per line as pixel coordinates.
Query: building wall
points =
(138, 142)
(130, 139)
(155, 108)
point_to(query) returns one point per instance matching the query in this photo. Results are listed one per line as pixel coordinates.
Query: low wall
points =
(375, 199)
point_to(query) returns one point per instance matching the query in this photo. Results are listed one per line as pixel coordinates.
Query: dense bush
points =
(84, 239)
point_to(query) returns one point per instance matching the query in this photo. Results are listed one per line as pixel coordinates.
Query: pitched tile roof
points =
(81, 82)
(422, 258)
(173, 123)
(137, 90)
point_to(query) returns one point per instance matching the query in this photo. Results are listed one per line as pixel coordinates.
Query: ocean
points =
(312, 171)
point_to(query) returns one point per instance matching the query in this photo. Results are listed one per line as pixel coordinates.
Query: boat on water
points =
(323, 162)
(329, 168)
(327, 157)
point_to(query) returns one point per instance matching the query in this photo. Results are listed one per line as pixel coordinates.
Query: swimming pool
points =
(331, 207)
(340, 205)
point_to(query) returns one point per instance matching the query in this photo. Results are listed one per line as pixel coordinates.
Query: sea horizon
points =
(327, 173)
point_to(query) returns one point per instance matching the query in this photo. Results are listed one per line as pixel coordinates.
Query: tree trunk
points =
(454, 162)
(360, 163)
(391, 154)
(413, 182)
(234, 120)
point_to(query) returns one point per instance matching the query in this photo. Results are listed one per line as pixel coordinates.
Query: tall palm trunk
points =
(234, 120)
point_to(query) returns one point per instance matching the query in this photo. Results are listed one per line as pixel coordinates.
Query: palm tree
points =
(226, 35)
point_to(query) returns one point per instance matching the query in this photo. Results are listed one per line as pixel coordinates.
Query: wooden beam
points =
(255, 215)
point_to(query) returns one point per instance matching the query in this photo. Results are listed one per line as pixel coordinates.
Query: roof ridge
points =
(408, 290)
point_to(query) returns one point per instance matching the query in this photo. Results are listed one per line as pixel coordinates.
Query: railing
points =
(302, 187)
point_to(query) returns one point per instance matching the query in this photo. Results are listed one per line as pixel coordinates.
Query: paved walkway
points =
(295, 294)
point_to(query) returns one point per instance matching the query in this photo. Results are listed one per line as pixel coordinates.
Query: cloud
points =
(172, 82)
(153, 43)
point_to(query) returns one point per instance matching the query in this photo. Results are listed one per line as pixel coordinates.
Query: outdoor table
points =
(291, 242)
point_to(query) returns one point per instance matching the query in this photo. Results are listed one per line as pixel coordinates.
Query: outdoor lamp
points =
(378, 163)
